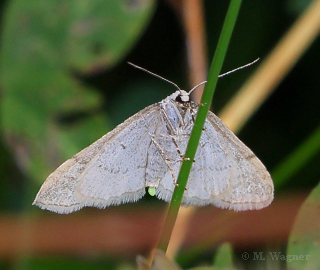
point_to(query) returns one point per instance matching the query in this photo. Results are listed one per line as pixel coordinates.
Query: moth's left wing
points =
(108, 172)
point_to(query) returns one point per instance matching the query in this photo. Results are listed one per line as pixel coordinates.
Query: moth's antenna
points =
(166, 80)
(231, 71)
(194, 88)
(156, 75)
(224, 74)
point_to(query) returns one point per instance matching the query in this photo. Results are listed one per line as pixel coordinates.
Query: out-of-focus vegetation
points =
(65, 83)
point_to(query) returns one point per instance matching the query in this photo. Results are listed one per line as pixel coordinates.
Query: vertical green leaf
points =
(303, 247)
(223, 259)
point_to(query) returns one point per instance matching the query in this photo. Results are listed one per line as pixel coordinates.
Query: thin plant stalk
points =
(296, 160)
(215, 69)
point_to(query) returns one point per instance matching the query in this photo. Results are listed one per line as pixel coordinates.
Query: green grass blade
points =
(215, 69)
(295, 161)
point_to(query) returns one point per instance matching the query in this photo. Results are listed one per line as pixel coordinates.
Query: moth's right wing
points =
(227, 173)
(110, 171)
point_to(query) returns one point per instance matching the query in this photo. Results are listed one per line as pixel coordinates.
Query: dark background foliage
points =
(62, 102)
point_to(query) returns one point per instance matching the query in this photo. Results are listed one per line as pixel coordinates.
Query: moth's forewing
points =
(110, 171)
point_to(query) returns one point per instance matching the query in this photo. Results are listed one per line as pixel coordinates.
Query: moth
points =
(146, 151)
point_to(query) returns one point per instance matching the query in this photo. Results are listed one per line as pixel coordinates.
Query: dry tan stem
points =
(193, 21)
(289, 49)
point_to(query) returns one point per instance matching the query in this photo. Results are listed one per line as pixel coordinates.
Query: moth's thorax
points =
(177, 111)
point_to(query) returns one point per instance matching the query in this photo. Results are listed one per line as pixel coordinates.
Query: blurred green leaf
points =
(223, 259)
(101, 32)
(42, 43)
(303, 247)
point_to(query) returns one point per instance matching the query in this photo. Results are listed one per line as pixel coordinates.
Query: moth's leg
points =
(192, 115)
(178, 149)
(192, 112)
(179, 152)
(165, 158)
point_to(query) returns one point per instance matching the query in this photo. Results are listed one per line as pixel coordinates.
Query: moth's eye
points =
(178, 99)
(182, 98)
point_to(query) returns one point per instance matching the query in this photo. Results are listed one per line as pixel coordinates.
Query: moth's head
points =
(181, 96)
